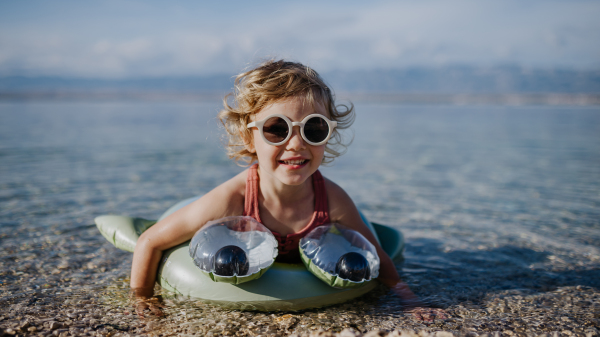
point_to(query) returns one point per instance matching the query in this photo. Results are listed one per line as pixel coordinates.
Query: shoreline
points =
(459, 99)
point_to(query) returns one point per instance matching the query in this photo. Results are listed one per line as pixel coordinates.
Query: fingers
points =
(152, 304)
(428, 315)
(139, 309)
(143, 306)
(155, 310)
(421, 314)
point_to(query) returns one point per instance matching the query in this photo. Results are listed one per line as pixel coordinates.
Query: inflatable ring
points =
(284, 287)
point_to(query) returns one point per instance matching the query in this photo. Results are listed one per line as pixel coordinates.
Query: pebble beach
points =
(500, 207)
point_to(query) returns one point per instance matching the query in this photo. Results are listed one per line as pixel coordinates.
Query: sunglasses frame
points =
(259, 125)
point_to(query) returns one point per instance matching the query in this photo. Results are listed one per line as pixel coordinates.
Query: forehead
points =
(295, 108)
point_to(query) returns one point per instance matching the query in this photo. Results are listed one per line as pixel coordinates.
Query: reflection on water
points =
(490, 199)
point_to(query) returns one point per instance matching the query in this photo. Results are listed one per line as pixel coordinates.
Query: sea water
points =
(491, 200)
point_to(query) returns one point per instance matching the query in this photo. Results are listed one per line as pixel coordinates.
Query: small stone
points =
(61, 332)
(348, 333)
(374, 334)
(55, 325)
(151, 325)
(443, 334)
(32, 329)
(24, 325)
(10, 331)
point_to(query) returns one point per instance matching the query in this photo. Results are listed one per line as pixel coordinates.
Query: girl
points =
(284, 118)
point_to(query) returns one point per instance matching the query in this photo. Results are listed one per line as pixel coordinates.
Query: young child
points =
(284, 118)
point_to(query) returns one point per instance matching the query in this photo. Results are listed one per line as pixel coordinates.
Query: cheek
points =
(264, 150)
(319, 152)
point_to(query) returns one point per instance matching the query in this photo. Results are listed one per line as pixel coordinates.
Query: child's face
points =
(295, 160)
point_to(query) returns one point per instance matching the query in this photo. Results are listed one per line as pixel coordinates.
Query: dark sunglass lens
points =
(316, 129)
(275, 129)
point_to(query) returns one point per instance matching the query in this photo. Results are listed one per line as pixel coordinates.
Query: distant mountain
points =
(453, 80)
(213, 83)
(443, 80)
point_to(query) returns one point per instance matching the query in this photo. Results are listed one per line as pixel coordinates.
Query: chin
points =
(294, 181)
(294, 178)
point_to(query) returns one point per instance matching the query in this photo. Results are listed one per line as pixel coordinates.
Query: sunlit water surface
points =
(490, 199)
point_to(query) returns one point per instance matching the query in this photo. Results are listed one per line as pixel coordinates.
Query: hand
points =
(413, 304)
(409, 299)
(143, 300)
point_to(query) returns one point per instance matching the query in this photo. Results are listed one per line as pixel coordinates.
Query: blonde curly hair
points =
(276, 81)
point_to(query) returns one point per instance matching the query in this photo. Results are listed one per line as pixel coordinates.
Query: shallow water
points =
(498, 205)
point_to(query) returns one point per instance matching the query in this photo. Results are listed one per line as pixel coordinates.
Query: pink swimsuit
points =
(288, 244)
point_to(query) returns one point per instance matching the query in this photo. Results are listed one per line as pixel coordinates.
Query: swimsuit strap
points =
(288, 244)
(321, 205)
(251, 197)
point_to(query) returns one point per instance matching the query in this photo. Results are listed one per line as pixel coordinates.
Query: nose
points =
(296, 142)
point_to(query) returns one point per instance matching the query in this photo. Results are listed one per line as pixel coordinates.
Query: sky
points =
(135, 38)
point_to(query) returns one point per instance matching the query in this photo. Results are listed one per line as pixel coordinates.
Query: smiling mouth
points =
(293, 162)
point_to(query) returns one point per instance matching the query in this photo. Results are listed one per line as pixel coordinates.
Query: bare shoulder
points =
(342, 210)
(224, 200)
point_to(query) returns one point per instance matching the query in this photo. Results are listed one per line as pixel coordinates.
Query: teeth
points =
(294, 162)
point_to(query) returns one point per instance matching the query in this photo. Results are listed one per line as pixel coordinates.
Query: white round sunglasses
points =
(276, 129)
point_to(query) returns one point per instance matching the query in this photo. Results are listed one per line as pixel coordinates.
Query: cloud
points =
(152, 39)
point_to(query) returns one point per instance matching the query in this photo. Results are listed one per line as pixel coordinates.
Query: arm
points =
(343, 211)
(225, 200)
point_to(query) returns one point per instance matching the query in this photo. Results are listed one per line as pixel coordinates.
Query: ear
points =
(248, 142)
(250, 147)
